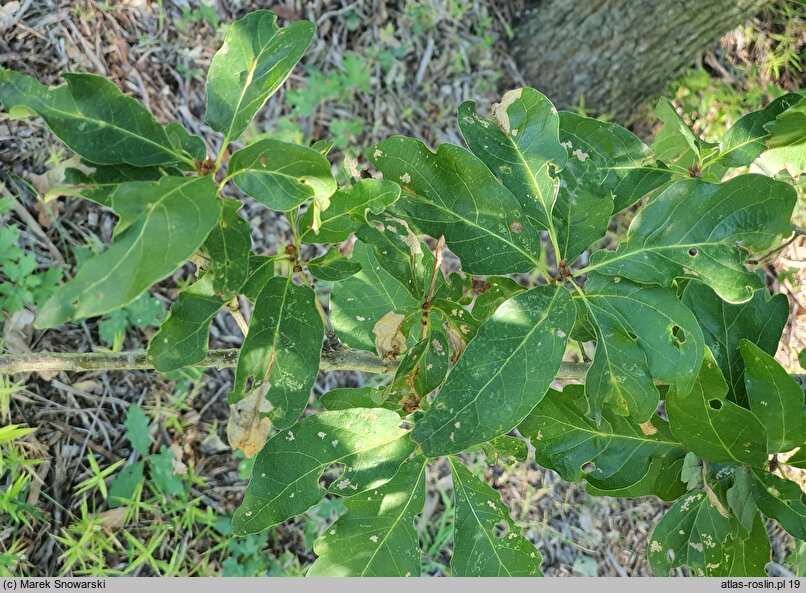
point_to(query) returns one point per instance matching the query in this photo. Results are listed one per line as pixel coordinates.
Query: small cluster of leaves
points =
(676, 314)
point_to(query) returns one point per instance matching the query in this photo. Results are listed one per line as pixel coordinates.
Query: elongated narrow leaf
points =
(451, 193)
(283, 348)
(503, 374)
(183, 336)
(701, 230)
(744, 141)
(359, 302)
(740, 498)
(480, 547)
(782, 500)
(760, 320)
(376, 537)
(228, 248)
(775, 398)
(333, 266)
(345, 398)
(643, 333)
(173, 217)
(519, 145)
(712, 426)
(282, 176)
(285, 478)
(693, 533)
(97, 183)
(255, 59)
(615, 453)
(347, 211)
(93, 117)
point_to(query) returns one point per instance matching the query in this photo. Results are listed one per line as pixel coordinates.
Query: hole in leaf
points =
(588, 467)
(250, 381)
(501, 528)
(715, 404)
(692, 252)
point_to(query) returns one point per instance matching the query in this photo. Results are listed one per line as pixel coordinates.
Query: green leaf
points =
(183, 336)
(760, 320)
(186, 143)
(228, 248)
(125, 484)
(283, 348)
(700, 230)
(369, 443)
(643, 333)
(607, 160)
(360, 301)
(376, 537)
(282, 176)
(504, 372)
(740, 498)
(137, 427)
(481, 548)
(691, 473)
(698, 536)
(255, 59)
(167, 221)
(352, 397)
(495, 290)
(97, 182)
(781, 500)
(504, 447)
(616, 453)
(744, 142)
(261, 270)
(712, 426)
(787, 142)
(775, 398)
(333, 266)
(162, 472)
(451, 193)
(675, 142)
(93, 117)
(519, 145)
(347, 211)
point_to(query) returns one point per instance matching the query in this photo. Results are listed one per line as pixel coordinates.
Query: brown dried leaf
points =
(246, 429)
(389, 340)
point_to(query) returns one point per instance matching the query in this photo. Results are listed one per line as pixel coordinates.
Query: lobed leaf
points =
(283, 348)
(286, 473)
(504, 372)
(164, 223)
(376, 537)
(486, 541)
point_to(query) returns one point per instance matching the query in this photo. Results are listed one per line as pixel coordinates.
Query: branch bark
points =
(345, 359)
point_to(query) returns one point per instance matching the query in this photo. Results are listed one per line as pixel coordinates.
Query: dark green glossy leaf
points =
(93, 117)
(183, 336)
(695, 533)
(359, 302)
(760, 320)
(356, 397)
(775, 398)
(519, 145)
(285, 478)
(184, 142)
(228, 248)
(740, 498)
(451, 193)
(283, 348)
(333, 266)
(700, 230)
(282, 176)
(712, 426)
(99, 182)
(167, 221)
(616, 453)
(480, 547)
(255, 59)
(782, 500)
(376, 537)
(348, 209)
(502, 375)
(496, 290)
(643, 333)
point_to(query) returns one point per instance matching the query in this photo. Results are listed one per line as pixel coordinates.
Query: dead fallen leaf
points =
(389, 340)
(114, 518)
(246, 429)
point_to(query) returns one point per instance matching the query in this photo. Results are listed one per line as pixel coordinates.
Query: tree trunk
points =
(616, 54)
